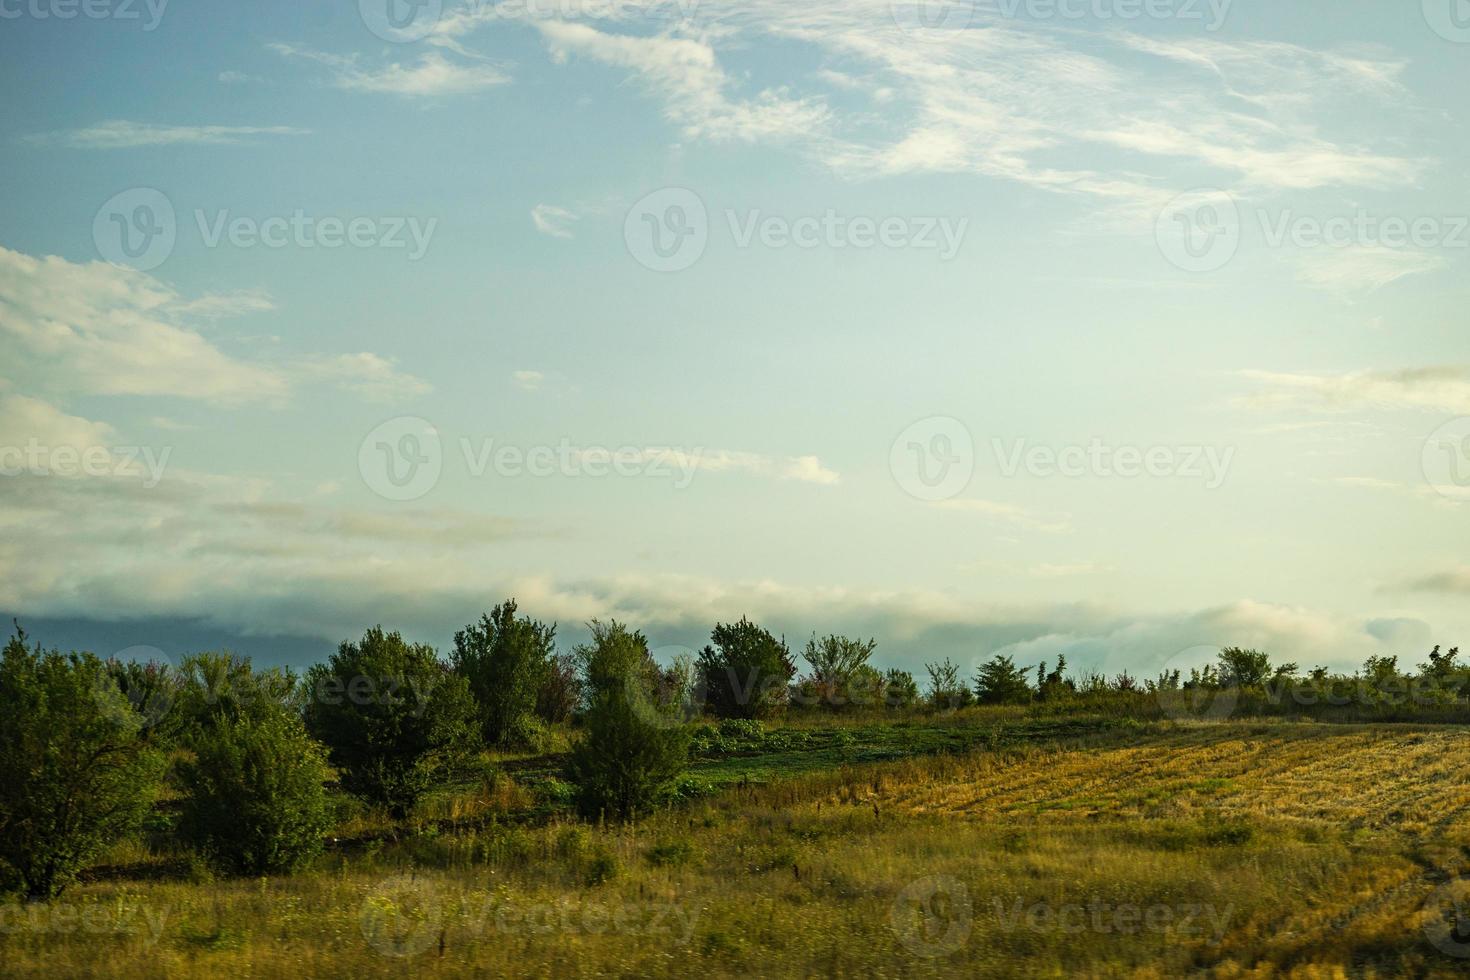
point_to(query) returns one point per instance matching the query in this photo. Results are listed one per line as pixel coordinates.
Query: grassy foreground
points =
(1229, 850)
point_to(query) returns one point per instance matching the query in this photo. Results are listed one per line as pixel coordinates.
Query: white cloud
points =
(124, 134)
(1009, 513)
(1432, 389)
(528, 380)
(552, 220)
(1362, 268)
(100, 329)
(686, 74)
(802, 469)
(432, 75)
(369, 375)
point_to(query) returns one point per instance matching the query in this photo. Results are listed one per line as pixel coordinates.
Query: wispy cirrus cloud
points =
(116, 134)
(433, 74)
(696, 91)
(1432, 389)
(553, 220)
(1363, 268)
(1013, 514)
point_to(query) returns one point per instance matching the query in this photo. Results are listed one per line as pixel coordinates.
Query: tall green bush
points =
(508, 662)
(77, 771)
(395, 719)
(634, 744)
(255, 800)
(745, 672)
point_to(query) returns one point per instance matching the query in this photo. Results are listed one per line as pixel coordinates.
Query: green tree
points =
(507, 662)
(899, 689)
(1000, 681)
(393, 716)
(255, 800)
(634, 745)
(1243, 668)
(76, 771)
(946, 691)
(745, 672)
(213, 688)
(840, 673)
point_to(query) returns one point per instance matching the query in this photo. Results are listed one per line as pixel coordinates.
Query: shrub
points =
(394, 718)
(899, 689)
(216, 687)
(633, 747)
(1000, 681)
(946, 690)
(746, 671)
(506, 662)
(255, 800)
(840, 673)
(76, 772)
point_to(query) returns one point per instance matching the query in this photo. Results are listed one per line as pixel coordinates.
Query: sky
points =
(1119, 330)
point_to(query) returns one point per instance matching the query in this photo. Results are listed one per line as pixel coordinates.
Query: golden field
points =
(1226, 850)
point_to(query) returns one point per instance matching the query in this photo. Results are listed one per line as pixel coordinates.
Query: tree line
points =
(87, 744)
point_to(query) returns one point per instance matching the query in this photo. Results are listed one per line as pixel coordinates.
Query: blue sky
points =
(870, 302)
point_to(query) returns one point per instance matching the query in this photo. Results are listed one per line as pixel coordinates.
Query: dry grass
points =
(1229, 851)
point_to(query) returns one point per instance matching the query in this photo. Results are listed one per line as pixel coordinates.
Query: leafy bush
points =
(746, 671)
(633, 747)
(899, 689)
(1000, 681)
(76, 772)
(840, 674)
(946, 690)
(217, 687)
(394, 718)
(507, 662)
(255, 800)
